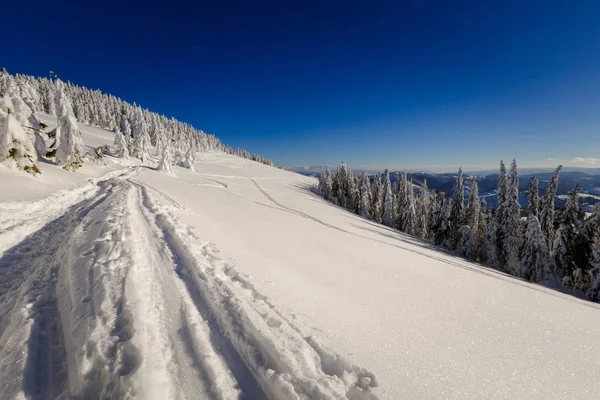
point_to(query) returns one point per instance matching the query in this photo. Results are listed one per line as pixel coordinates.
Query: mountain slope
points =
(234, 280)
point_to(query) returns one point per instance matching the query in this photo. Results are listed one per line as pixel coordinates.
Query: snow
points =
(234, 278)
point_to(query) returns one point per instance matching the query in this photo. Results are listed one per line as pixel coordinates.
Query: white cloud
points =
(589, 161)
(551, 159)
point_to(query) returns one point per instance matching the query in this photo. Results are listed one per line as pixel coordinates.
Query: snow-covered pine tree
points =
(440, 229)
(547, 209)
(69, 146)
(424, 210)
(365, 196)
(402, 200)
(16, 149)
(510, 223)
(533, 194)
(140, 139)
(473, 206)
(388, 201)
(377, 198)
(410, 215)
(491, 242)
(121, 148)
(563, 247)
(125, 128)
(353, 193)
(342, 185)
(592, 227)
(464, 244)
(481, 232)
(328, 185)
(166, 161)
(455, 220)
(535, 265)
(189, 160)
(500, 214)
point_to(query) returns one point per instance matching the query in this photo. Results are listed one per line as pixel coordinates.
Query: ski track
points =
(482, 270)
(107, 295)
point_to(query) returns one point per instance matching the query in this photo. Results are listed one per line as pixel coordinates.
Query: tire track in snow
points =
(32, 350)
(285, 364)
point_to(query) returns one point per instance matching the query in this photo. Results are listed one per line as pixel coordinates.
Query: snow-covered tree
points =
(510, 223)
(592, 228)
(353, 193)
(424, 211)
(166, 161)
(409, 220)
(547, 209)
(473, 205)
(189, 160)
(69, 146)
(377, 198)
(491, 242)
(457, 207)
(402, 200)
(564, 239)
(533, 204)
(480, 236)
(140, 139)
(327, 185)
(341, 185)
(464, 245)
(535, 265)
(16, 150)
(121, 148)
(388, 200)
(365, 196)
(440, 228)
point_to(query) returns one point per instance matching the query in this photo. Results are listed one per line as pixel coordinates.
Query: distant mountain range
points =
(587, 178)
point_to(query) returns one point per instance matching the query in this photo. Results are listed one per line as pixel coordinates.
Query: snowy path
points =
(106, 294)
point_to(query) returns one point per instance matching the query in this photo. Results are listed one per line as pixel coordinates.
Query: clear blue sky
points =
(423, 83)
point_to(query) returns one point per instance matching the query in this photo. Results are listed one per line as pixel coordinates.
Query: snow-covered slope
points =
(235, 281)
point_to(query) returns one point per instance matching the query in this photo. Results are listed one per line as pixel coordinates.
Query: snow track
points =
(106, 294)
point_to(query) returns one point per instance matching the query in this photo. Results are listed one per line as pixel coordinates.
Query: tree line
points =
(23, 140)
(557, 247)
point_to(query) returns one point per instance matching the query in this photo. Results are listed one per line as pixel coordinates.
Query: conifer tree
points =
(410, 216)
(480, 248)
(365, 195)
(402, 200)
(377, 198)
(473, 205)
(593, 230)
(440, 231)
(500, 214)
(456, 217)
(547, 209)
(534, 260)
(510, 223)
(189, 159)
(564, 245)
(353, 193)
(342, 179)
(140, 139)
(388, 201)
(533, 204)
(424, 211)
(121, 148)
(491, 242)
(166, 161)
(69, 145)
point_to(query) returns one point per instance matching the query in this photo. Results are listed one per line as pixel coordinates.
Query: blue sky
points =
(400, 84)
